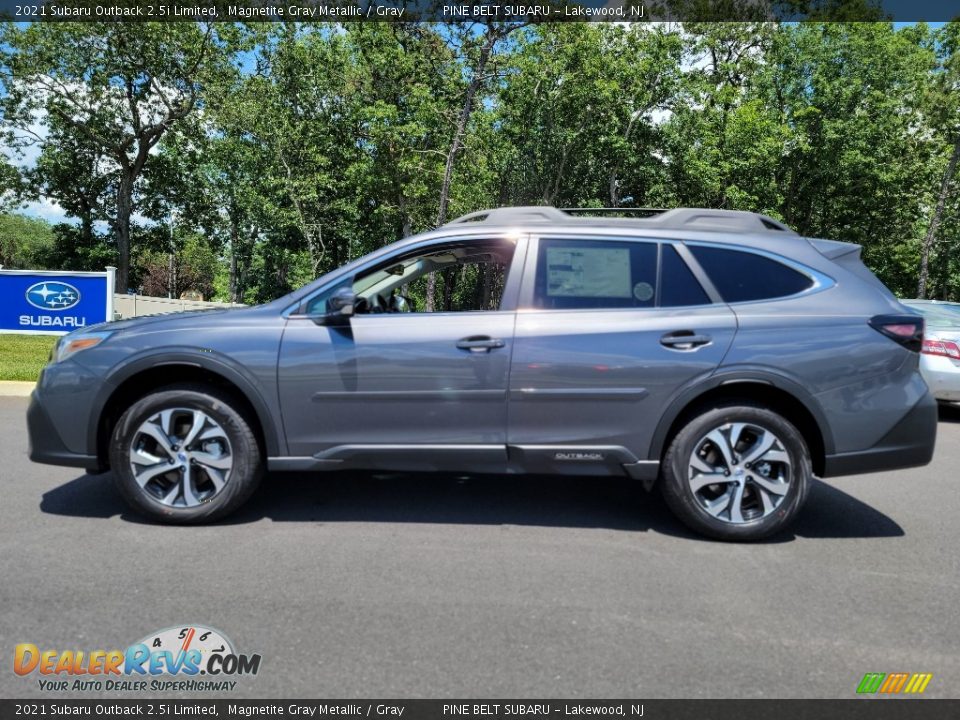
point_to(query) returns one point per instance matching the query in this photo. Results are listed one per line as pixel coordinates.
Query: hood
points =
(191, 317)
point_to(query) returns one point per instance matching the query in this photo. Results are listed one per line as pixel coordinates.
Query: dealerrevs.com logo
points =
(894, 683)
(182, 658)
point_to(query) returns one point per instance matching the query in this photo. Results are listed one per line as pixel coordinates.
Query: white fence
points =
(127, 306)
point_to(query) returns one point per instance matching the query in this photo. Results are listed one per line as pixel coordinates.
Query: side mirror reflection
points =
(339, 308)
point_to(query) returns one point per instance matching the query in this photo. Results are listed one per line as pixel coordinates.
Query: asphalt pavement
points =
(361, 586)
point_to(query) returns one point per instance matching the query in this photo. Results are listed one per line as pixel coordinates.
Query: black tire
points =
(682, 500)
(241, 480)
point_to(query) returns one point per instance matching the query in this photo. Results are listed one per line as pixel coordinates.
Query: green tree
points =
(946, 118)
(24, 241)
(77, 176)
(577, 113)
(118, 86)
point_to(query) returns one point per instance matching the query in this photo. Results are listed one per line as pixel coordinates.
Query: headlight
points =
(70, 345)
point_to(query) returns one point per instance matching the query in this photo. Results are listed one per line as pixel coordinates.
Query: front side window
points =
(467, 276)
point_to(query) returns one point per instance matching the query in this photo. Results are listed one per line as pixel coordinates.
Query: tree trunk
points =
(234, 239)
(945, 273)
(455, 145)
(121, 230)
(86, 225)
(406, 229)
(488, 273)
(935, 221)
(615, 170)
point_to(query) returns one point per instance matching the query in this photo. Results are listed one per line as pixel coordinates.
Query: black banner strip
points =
(872, 708)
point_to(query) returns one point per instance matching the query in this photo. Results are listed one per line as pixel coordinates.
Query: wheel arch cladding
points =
(754, 392)
(142, 382)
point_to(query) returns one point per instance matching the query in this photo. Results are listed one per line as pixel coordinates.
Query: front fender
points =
(210, 360)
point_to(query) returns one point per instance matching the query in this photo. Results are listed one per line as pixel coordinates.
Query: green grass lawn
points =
(22, 356)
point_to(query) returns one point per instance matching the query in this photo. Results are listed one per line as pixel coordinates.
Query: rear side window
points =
(745, 276)
(601, 274)
(592, 274)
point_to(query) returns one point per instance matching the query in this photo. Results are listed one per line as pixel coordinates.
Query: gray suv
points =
(717, 354)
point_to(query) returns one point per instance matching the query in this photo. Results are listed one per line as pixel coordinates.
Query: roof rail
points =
(705, 219)
(526, 213)
(653, 218)
(639, 211)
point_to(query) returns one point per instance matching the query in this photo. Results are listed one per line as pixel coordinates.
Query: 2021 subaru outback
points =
(715, 353)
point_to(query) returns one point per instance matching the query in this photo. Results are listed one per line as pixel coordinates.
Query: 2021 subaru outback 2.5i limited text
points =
(716, 353)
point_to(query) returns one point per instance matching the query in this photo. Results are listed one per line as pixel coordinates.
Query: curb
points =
(11, 388)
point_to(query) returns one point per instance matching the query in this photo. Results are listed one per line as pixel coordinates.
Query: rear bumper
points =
(46, 445)
(942, 375)
(909, 443)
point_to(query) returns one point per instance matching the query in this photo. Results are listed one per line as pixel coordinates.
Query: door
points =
(400, 386)
(608, 331)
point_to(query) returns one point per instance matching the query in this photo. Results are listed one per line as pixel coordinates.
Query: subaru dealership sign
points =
(52, 302)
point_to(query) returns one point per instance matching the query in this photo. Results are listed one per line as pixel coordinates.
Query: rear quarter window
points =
(745, 276)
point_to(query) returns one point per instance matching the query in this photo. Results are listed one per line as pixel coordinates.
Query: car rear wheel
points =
(185, 455)
(737, 472)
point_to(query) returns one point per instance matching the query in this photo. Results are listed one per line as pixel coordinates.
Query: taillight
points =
(904, 329)
(945, 348)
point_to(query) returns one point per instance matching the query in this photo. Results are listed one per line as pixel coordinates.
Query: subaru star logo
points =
(52, 295)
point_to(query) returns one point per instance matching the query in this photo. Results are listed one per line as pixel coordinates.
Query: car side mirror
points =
(339, 308)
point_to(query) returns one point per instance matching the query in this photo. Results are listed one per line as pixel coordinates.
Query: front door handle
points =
(684, 340)
(480, 343)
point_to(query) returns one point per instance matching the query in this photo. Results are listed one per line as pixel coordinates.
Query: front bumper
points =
(46, 445)
(909, 443)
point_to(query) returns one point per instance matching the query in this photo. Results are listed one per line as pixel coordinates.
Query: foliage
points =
(109, 92)
(294, 148)
(24, 242)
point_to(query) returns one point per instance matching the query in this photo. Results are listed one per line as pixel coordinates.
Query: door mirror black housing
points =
(339, 308)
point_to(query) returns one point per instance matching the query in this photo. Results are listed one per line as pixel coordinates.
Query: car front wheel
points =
(737, 472)
(185, 455)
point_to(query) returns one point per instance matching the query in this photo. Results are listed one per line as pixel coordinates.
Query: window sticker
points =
(588, 272)
(643, 291)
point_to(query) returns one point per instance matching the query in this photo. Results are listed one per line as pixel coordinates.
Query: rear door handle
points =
(684, 340)
(480, 343)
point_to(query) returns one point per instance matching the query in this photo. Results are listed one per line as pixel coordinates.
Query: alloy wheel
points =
(181, 457)
(739, 472)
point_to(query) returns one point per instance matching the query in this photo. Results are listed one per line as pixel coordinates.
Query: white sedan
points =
(940, 356)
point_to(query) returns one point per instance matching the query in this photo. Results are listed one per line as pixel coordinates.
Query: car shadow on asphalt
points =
(950, 412)
(534, 500)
